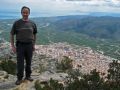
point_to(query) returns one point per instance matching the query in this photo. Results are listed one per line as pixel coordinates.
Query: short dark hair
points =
(24, 8)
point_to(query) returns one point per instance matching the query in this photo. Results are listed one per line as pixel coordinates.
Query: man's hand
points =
(14, 49)
(33, 47)
(12, 43)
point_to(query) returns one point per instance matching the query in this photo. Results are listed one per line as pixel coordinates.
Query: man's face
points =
(25, 13)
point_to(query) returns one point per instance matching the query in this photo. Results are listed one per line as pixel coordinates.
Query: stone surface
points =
(44, 63)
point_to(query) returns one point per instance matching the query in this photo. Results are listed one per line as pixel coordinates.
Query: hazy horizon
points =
(48, 8)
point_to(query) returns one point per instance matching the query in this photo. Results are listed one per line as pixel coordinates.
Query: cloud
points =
(64, 7)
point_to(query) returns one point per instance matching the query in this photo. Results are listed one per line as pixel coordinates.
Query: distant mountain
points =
(105, 27)
(100, 33)
(98, 27)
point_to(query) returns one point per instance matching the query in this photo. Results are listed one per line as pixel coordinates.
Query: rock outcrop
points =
(45, 59)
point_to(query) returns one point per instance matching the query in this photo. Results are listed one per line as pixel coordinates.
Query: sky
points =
(62, 7)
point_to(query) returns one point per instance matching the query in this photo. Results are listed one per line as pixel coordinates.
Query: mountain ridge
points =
(100, 33)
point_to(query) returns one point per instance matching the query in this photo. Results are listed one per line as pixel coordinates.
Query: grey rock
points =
(46, 76)
(3, 74)
(7, 85)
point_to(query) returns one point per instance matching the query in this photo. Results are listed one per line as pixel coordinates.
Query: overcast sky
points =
(62, 7)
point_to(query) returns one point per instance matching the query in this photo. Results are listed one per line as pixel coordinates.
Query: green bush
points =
(65, 64)
(113, 76)
(8, 66)
(51, 85)
(42, 68)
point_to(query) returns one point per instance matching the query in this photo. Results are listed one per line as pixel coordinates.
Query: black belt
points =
(19, 42)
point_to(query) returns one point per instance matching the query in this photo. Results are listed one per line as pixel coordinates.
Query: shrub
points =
(65, 64)
(8, 66)
(51, 85)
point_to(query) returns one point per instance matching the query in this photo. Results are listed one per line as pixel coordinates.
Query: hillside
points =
(105, 27)
(46, 59)
(97, 27)
(99, 33)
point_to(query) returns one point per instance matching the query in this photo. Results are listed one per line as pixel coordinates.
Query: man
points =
(25, 31)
